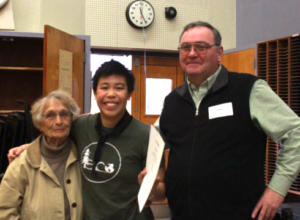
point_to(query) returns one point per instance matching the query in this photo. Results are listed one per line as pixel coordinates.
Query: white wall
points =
(66, 15)
(105, 21)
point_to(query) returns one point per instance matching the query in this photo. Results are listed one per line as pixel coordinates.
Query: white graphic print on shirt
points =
(108, 166)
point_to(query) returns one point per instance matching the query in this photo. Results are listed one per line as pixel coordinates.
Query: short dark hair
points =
(216, 33)
(113, 68)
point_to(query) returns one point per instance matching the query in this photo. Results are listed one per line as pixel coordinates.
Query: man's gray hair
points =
(216, 33)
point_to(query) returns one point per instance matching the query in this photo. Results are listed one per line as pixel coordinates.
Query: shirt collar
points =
(206, 84)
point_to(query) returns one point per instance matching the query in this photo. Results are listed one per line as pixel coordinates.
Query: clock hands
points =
(142, 16)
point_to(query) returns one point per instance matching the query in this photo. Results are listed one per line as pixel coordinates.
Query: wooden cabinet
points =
(21, 70)
(278, 62)
(27, 72)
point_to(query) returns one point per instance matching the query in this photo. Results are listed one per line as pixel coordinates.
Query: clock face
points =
(2, 3)
(140, 14)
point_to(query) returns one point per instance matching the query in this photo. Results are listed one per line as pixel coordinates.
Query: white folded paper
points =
(154, 155)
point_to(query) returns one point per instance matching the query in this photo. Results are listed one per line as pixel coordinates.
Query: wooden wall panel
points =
(240, 61)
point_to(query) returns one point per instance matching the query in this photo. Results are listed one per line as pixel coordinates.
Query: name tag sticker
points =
(221, 110)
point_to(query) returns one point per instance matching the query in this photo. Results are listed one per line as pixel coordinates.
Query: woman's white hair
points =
(60, 95)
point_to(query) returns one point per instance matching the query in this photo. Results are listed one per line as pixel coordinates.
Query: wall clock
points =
(140, 14)
(3, 2)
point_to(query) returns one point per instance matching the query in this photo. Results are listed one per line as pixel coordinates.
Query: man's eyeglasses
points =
(51, 116)
(199, 47)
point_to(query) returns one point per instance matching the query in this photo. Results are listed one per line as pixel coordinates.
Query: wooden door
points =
(155, 68)
(56, 68)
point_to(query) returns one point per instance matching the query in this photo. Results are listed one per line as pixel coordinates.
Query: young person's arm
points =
(15, 152)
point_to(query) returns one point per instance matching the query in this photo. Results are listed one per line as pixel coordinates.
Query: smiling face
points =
(199, 67)
(55, 128)
(112, 96)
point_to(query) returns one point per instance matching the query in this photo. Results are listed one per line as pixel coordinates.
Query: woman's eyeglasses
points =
(51, 116)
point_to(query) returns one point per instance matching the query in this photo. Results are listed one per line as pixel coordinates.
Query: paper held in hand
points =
(154, 155)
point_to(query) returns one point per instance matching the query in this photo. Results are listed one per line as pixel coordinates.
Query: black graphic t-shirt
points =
(110, 191)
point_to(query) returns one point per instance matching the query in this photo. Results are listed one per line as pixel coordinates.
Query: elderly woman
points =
(44, 182)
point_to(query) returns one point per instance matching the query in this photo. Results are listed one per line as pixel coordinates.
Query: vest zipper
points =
(190, 162)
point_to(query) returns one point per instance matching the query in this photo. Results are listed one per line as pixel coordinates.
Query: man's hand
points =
(268, 205)
(15, 152)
